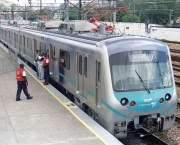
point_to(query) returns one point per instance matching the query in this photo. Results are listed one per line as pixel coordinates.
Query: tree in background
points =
(131, 18)
(152, 11)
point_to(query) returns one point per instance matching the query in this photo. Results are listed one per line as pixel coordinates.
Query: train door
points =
(80, 74)
(9, 37)
(35, 48)
(5, 39)
(52, 59)
(14, 40)
(24, 44)
(98, 82)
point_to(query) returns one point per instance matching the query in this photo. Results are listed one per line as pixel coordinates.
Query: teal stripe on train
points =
(67, 78)
(91, 93)
(74, 83)
(115, 111)
(146, 102)
(153, 104)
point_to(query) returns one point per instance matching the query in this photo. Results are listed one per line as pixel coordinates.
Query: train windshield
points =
(140, 70)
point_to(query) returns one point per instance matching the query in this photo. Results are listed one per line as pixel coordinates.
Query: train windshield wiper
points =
(160, 72)
(144, 85)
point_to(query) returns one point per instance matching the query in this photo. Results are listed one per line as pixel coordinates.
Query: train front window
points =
(131, 70)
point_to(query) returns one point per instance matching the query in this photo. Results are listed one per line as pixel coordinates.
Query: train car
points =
(123, 83)
(10, 38)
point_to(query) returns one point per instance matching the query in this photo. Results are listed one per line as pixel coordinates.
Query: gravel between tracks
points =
(172, 136)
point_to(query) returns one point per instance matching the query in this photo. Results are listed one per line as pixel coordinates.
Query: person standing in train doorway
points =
(40, 67)
(37, 56)
(46, 65)
(22, 83)
(62, 64)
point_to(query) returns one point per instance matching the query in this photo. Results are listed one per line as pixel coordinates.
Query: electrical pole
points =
(170, 14)
(40, 5)
(66, 13)
(114, 14)
(80, 10)
(12, 12)
(25, 12)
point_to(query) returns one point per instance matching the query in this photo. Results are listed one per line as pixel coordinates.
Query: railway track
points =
(175, 56)
(177, 115)
(155, 140)
(136, 139)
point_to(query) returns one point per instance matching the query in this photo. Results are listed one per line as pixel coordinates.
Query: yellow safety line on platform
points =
(69, 109)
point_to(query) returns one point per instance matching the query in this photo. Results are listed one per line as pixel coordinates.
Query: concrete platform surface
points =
(40, 121)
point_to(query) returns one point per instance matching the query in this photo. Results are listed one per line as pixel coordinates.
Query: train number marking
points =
(148, 100)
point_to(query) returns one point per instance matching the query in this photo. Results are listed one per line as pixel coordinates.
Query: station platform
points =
(47, 119)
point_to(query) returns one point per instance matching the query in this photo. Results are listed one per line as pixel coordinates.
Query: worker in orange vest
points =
(22, 83)
(46, 65)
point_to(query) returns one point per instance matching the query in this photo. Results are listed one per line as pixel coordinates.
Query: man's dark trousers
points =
(46, 74)
(21, 86)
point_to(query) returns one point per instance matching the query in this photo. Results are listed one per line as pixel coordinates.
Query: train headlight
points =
(167, 97)
(124, 101)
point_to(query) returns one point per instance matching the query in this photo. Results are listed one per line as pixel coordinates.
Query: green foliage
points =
(152, 11)
(131, 18)
(73, 14)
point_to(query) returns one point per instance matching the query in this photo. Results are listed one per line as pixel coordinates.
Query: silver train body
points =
(123, 83)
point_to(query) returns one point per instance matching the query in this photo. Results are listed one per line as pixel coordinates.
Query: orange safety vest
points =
(44, 61)
(19, 75)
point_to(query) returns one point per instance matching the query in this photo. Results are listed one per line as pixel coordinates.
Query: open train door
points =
(52, 59)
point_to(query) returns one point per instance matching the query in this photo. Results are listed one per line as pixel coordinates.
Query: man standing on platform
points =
(22, 83)
(46, 65)
(37, 55)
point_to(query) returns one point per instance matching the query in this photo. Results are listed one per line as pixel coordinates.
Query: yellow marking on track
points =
(70, 105)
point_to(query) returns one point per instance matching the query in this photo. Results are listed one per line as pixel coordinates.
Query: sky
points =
(23, 2)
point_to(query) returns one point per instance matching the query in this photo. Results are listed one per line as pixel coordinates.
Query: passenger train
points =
(124, 83)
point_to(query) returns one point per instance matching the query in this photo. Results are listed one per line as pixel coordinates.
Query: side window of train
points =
(12, 40)
(98, 71)
(65, 54)
(24, 41)
(42, 47)
(17, 38)
(29, 43)
(85, 67)
(35, 47)
(80, 64)
(14, 37)
(52, 52)
(9, 36)
(20, 40)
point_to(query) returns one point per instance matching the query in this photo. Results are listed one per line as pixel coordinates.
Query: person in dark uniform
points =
(46, 65)
(62, 64)
(22, 83)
